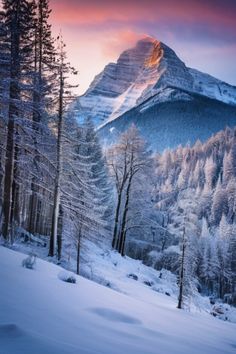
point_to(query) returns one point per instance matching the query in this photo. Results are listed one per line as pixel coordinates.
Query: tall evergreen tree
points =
(86, 194)
(18, 18)
(43, 76)
(63, 95)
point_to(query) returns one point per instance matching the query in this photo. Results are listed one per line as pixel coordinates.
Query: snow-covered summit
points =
(142, 72)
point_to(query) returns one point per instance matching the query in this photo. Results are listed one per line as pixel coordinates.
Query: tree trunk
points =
(8, 181)
(121, 246)
(36, 117)
(16, 205)
(114, 240)
(59, 233)
(78, 251)
(14, 95)
(56, 199)
(181, 280)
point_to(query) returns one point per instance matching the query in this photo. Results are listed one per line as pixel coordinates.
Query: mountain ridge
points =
(171, 123)
(148, 75)
(140, 73)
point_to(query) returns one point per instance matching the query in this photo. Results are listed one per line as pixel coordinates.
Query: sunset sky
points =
(202, 32)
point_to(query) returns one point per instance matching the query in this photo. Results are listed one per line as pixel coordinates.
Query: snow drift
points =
(40, 313)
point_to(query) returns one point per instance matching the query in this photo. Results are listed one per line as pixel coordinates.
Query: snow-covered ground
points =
(40, 313)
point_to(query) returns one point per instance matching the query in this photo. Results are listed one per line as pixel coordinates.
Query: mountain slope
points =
(143, 72)
(211, 87)
(167, 124)
(41, 314)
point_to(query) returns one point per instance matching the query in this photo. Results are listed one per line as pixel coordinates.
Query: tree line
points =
(196, 193)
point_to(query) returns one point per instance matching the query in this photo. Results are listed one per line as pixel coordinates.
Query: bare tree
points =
(127, 160)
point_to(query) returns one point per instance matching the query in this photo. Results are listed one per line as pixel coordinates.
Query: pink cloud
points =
(128, 11)
(117, 42)
(97, 31)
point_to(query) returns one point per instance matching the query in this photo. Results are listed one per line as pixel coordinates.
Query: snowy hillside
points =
(88, 318)
(211, 87)
(143, 72)
(187, 118)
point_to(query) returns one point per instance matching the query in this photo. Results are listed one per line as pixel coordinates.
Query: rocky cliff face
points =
(151, 71)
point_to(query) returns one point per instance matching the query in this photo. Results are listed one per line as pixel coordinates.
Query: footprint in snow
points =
(114, 316)
(10, 331)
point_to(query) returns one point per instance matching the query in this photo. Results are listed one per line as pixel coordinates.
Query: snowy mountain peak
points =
(147, 38)
(150, 69)
(147, 52)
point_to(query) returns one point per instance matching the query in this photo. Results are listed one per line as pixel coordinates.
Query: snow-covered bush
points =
(132, 276)
(30, 261)
(148, 283)
(67, 277)
(224, 312)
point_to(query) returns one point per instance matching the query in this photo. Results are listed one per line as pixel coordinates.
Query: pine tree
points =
(63, 68)
(210, 265)
(232, 254)
(231, 196)
(229, 163)
(18, 18)
(210, 172)
(219, 203)
(43, 74)
(99, 172)
(4, 68)
(223, 242)
(86, 195)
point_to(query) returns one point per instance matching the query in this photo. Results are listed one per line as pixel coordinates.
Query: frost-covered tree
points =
(223, 242)
(188, 261)
(128, 160)
(231, 196)
(43, 77)
(18, 20)
(210, 265)
(210, 172)
(28, 145)
(229, 164)
(63, 93)
(202, 179)
(86, 193)
(219, 203)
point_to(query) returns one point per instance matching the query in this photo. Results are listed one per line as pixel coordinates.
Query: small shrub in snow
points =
(148, 283)
(220, 311)
(108, 284)
(224, 312)
(29, 262)
(132, 276)
(67, 277)
(71, 280)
